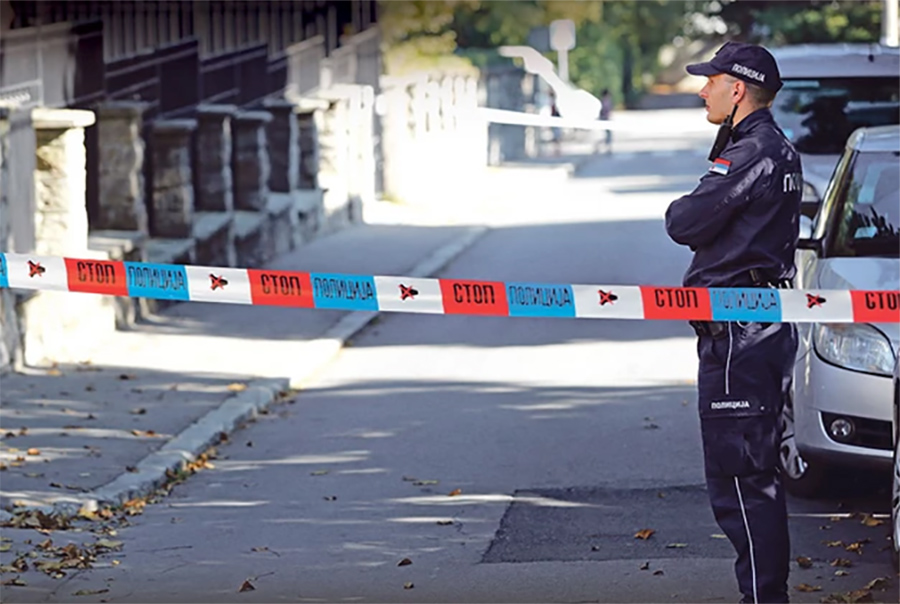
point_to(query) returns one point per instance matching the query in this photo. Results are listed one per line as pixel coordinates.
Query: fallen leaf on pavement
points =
(804, 562)
(852, 597)
(855, 547)
(805, 587)
(658, 572)
(138, 411)
(319, 473)
(90, 592)
(330, 498)
(127, 376)
(246, 586)
(645, 566)
(841, 573)
(33, 452)
(5, 547)
(408, 586)
(422, 483)
(833, 543)
(444, 522)
(108, 544)
(676, 545)
(644, 533)
(404, 562)
(878, 583)
(718, 536)
(454, 493)
(23, 431)
(841, 562)
(237, 387)
(869, 520)
(259, 549)
(147, 433)
(54, 372)
(15, 581)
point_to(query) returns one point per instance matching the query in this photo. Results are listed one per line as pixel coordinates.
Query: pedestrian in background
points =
(606, 107)
(742, 223)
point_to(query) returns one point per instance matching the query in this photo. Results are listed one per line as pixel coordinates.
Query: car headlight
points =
(809, 193)
(859, 347)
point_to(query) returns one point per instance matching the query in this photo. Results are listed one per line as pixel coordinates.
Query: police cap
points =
(748, 62)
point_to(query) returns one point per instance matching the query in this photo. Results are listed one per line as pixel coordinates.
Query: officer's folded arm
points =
(700, 216)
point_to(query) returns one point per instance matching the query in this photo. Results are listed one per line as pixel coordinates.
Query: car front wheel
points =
(800, 476)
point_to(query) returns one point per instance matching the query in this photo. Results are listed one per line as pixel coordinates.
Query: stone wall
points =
(173, 180)
(120, 171)
(9, 327)
(60, 326)
(432, 136)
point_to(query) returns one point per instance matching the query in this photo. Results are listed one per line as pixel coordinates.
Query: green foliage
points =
(803, 21)
(618, 41)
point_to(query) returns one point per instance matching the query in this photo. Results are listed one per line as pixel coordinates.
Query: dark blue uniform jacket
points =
(746, 218)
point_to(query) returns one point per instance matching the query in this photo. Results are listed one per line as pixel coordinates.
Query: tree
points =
(801, 21)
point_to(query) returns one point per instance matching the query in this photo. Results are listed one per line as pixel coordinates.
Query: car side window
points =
(832, 195)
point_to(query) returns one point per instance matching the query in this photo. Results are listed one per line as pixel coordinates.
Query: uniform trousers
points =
(744, 378)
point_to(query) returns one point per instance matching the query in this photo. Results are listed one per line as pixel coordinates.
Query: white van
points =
(829, 91)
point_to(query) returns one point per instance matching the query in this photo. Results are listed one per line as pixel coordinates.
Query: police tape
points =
(336, 291)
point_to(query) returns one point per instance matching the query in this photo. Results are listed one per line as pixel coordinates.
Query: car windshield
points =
(868, 211)
(818, 115)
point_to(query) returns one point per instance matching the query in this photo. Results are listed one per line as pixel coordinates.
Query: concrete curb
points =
(191, 442)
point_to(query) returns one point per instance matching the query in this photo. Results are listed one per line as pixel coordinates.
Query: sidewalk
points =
(82, 437)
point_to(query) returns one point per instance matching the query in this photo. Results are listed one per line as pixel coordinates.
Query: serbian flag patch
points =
(720, 166)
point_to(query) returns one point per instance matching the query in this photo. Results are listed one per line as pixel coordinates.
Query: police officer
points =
(742, 223)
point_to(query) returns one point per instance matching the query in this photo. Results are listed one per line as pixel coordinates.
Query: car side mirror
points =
(806, 242)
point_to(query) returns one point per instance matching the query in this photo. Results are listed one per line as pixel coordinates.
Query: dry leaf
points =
(855, 547)
(718, 536)
(138, 411)
(330, 498)
(15, 581)
(237, 387)
(833, 543)
(841, 573)
(5, 547)
(645, 566)
(127, 376)
(404, 562)
(869, 520)
(422, 483)
(878, 583)
(246, 586)
(319, 473)
(90, 592)
(33, 452)
(804, 562)
(408, 586)
(658, 572)
(259, 549)
(108, 544)
(676, 545)
(841, 562)
(644, 534)
(454, 493)
(805, 587)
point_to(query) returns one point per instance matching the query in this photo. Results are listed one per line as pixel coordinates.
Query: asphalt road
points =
(509, 460)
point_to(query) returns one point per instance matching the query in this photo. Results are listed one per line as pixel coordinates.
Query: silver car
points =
(841, 407)
(829, 91)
